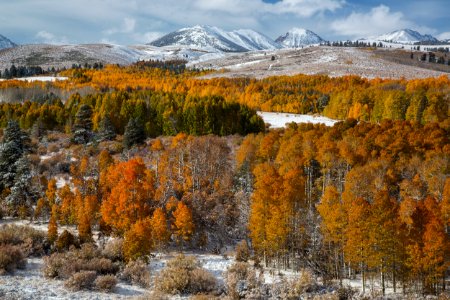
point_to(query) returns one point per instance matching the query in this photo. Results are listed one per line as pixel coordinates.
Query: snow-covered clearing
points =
(42, 78)
(279, 120)
(31, 284)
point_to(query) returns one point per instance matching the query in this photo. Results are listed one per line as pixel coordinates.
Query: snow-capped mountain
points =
(406, 36)
(214, 38)
(6, 43)
(297, 37)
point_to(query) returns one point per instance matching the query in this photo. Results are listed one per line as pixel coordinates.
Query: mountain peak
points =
(6, 43)
(406, 35)
(297, 37)
(216, 39)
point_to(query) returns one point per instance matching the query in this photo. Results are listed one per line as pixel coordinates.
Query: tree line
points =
(156, 112)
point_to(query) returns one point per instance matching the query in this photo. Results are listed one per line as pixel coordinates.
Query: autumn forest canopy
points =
(162, 158)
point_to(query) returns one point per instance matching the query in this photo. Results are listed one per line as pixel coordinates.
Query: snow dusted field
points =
(279, 120)
(42, 78)
(31, 284)
(314, 60)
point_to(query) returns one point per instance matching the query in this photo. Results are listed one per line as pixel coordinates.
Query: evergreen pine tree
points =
(106, 130)
(134, 133)
(82, 129)
(23, 194)
(38, 129)
(14, 145)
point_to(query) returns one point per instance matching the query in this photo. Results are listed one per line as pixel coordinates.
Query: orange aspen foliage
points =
(42, 208)
(52, 232)
(138, 240)
(183, 224)
(160, 231)
(333, 215)
(104, 160)
(131, 187)
(51, 192)
(68, 213)
(445, 204)
(264, 199)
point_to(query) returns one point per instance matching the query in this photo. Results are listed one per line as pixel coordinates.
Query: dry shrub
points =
(53, 147)
(137, 272)
(55, 266)
(346, 293)
(102, 266)
(65, 241)
(11, 258)
(242, 251)
(295, 289)
(184, 275)
(181, 261)
(328, 296)
(202, 281)
(203, 297)
(55, 165)
(88, 258)
(88, 252)
(30, 240)
(240, 279)
(82, 280)
(105, 283)
(444, 296)
(173, 281)
(153, 295)
(114, 250)
(305, 283)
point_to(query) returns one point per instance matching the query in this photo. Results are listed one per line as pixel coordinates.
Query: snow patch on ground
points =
(43, 78)
(279, 120)
(31, 284)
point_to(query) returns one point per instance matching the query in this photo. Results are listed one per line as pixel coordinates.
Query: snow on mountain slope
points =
(212, 38)
(65, 55)
(297, 37)
(6, 43)
(406, 36)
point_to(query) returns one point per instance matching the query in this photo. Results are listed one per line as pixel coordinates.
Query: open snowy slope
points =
(279, 120)
(331, 61)
(65, 55)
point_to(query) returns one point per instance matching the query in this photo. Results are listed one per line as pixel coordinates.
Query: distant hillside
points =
(297, 37)
(6, 43)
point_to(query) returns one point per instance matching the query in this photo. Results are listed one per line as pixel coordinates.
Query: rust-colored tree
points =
(130, 197)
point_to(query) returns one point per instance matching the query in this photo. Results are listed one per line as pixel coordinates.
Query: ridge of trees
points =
(159, 114)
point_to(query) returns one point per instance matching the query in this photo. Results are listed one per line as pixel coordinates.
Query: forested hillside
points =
(153, 159)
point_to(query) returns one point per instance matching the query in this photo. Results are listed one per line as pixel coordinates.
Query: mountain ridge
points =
(6, 43)
(406, 36)
(298, 37)
(214, 38)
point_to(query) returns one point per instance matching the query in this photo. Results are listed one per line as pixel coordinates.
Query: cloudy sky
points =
(140, 21)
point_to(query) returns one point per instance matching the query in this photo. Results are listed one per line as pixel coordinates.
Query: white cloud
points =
(306, 8)
(302, 8)
(139, 21)
(49, 38)
(444, 36)
(127, 26)
(147, 37)
(377, 21)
